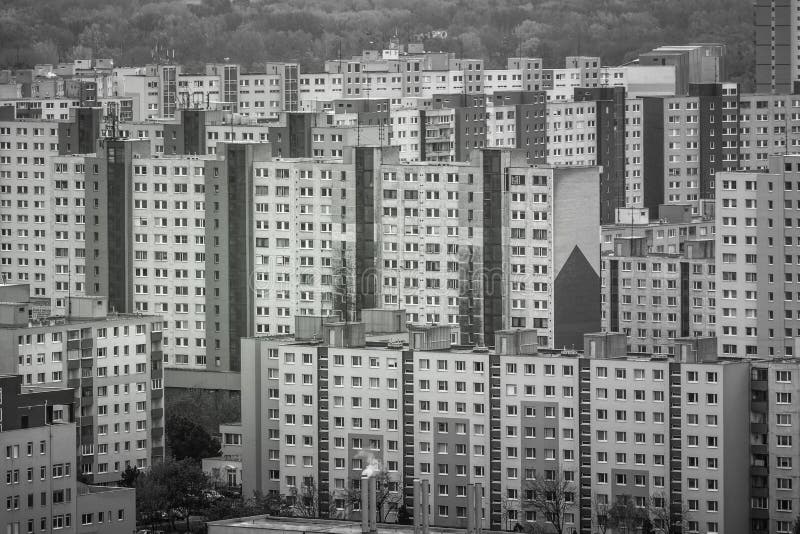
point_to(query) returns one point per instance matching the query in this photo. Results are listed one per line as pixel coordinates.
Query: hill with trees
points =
(310, 31)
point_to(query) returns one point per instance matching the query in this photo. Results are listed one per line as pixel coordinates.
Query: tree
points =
(129, 476)
(304, 502)
(661, 508)
(403, 515)
(169, 486)
(388, 499)
(600, 514)
(207, 408)
(551, 495)
(527, 35)
(796, 526)
(187, 439)
(506, 506)
(227, 508)
(625, 516)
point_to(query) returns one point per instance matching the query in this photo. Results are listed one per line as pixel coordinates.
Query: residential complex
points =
(469, 280)
(670, 431)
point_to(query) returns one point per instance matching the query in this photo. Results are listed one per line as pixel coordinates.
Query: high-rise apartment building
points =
(146, 240)
(756, 237)
(692, 146)
(670, 434)
(658, 278)
(314, 236)
(776, 45)
(773, 494)
(42, 203)
(113, 363)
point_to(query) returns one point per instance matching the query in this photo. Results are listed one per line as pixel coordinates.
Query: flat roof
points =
(330, 526)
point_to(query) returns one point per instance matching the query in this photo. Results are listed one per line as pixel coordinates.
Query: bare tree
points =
(506, 507)
(551, 495)
(304, 501)
(660, 508)
(600, 514)
(388, 498)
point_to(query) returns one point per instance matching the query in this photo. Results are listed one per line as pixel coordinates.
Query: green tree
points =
(624, 516)
(170, 486)
(207, 408)
(129, 476)
(187, 439)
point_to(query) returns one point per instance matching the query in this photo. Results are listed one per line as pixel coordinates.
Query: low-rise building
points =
(226, 469)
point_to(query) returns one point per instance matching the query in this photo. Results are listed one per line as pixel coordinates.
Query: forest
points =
(309, 31)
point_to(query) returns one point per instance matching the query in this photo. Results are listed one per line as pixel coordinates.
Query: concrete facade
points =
(667, 432)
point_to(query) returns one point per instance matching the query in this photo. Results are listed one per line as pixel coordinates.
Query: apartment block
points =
(776, 41)
(669, 433)
(42, 199)
(692, 148)
(659, 279)
(768, 124)
(112, 361)
(313, 245)
(773, 493)
(756, 273)
(42, 491)
(146, 240)
(38, 435)
(24, 199)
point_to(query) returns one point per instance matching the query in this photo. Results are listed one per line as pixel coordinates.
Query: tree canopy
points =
(310, 31)
(187, 439)
(167, 487)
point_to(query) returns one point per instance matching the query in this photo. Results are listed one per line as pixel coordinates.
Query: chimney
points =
(474, 509)
(421, 516)
(369, 510)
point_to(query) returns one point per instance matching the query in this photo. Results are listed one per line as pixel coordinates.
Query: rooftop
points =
(329, 526)
(64, 320)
